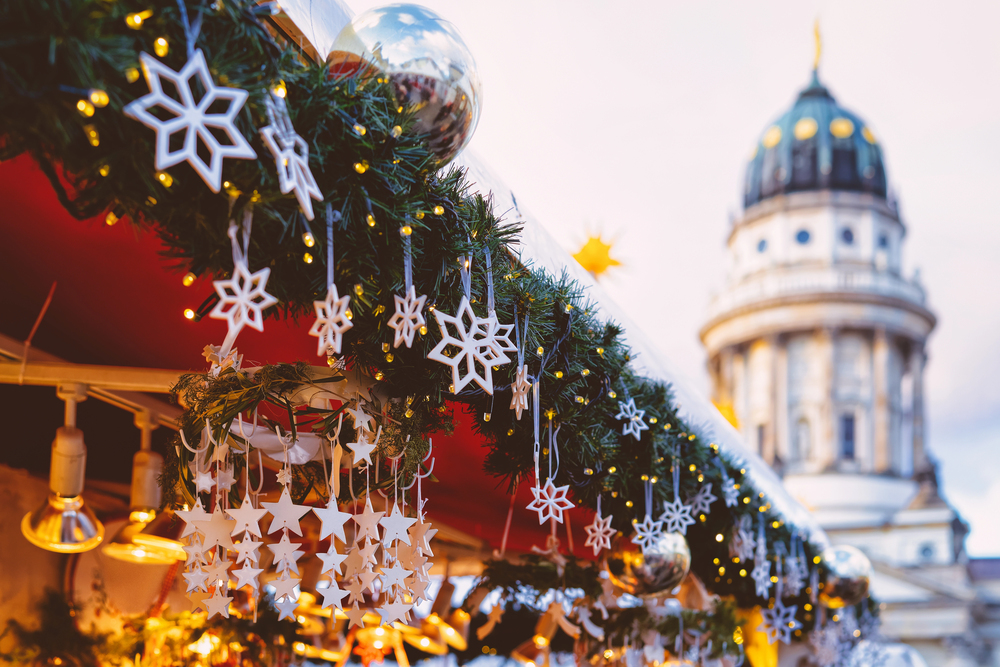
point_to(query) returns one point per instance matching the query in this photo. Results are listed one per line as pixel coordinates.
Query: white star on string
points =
(332, 520)
(519, 391)
(676, 517)
(362, 449)
(333, 595)
(291, 156)
(217, 529)
(395, 525)
(599, 533)
(473, 347)
(286, 608)
(242, 299)
(408, 318)
(286, 513)
(247, 575)
(634, 424)
(761, 573)
(743, 543)
(331, 321)
(701, 502)
(647, 532)
(367, 522)
(191, 118)
(218, 604)
(779, 622)
(497, 342)
(191, 518)
(393, 611)
(550, 501)
(247, 518)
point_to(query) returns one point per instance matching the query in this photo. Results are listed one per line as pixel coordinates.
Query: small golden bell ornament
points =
(844, 575)
(651, 574)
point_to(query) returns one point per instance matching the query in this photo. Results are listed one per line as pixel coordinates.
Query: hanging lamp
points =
(149, 537)
(65, 524)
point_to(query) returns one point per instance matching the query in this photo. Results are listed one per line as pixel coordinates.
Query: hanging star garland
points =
(634, 424)
(550, 501)
(331, 321)
(190, 118)
(408, 318)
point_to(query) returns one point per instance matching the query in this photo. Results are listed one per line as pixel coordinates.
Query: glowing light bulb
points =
(371, 220)
(188, 279)
(111, 218)
(92, 135)
(405, 230)
(308, 239)
(360, 129)
(439, 210)
(132, 75)
(361, 167)
(98, 98)
(160, 46)
(280, 90)
(188, 313)
(307, 258)
(104, 170)
(165, 178)
(135, 21)
(396, 132)
(85, 107)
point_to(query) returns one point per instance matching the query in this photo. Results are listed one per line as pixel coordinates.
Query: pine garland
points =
(379, 178)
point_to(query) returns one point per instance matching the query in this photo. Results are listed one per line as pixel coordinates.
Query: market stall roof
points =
(119, 302)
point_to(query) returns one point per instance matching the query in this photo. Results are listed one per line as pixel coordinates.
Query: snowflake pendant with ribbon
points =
(676, 517)
(191, 118)
(743, 543)
(778, 622)
(599, 533)
(647, 532)
(701, 502)
(761, 573)
(331, 321)
(519, 390)
(242, 300)
(634, 424)
(470, 340)
(550, 501)
(730, 492)
(291, 156)
(408, 318)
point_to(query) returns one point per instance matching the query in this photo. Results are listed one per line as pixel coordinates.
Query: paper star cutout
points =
(332, 520)
(472, 345)
(367, 522)
(195, 551)
(353, 562)
(647, 532)
(794, 577)
(676, 517)
(701, 502)
(394, 576)
(362, 420)
(395, 526)
(367, 553)
(242, 299)
(356, 616)
(779, 622)
(519, 391)
(198, 601)
(599, 533)
(286, 553)
(192, 118)
(634, 424)
(331, 561)
(218, 571)
(191, 518)
(284, 586)
(408, 317)
(354, 587)
(284, 476)
(286, 513)
(246, 550)
(218, 530)
(362, 449)
(331, 321)
(333, 596)
(196, 580)
(225, 479)
(291, 156)
(393, 611)
(203, 481)
(730, 492)
(247, 518)
(497, 341)
(286, 608)
(247, 575)
(218, 604)
(421, 534)
(368, 579)
(417, 587)
(550, 501)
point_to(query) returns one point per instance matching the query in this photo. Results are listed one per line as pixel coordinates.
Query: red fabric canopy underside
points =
(119, 303)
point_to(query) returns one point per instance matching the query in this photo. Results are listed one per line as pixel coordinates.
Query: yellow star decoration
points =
(595, 256)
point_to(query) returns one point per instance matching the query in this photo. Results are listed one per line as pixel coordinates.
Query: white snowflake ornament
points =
(761, 574)
(599, 533)
(676, 517)
(634, 424)
(331, 321)
(647, 532)
(291, 157)
(550, 501)
(471, 341)
(408, 318)
(242, 299)
(191, 118)
(519, 390)
(701, 502)
(779, 622)
(744, 543)
(730, 492)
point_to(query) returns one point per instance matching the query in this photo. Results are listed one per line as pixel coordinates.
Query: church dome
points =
(815, 145)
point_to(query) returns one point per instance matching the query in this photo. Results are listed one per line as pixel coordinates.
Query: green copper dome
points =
(815, 145)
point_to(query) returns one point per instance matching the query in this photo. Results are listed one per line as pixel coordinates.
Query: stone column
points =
(767, 446)
(881, 450)
(780, 419)
(917, 360)
(826, 436)
(724, 377)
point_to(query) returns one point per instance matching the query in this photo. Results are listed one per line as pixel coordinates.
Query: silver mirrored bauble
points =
(654, 573)
(845, 573)
(428, 65)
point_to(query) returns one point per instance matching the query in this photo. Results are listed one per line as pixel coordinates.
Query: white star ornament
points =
(191, 118)
(519, 391)
(778, 622)
(331, 321)
(472, 351)
(332, 520)
(286, 513)
(599, 534)
(242, 299)
(634, 424)
(247, 518)
(291, 156)
(550, 501)
(408, 318)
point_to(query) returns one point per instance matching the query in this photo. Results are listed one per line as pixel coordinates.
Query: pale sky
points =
(636, 119)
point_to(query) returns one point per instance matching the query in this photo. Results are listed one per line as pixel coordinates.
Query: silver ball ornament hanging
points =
(845, 573)
(651, 574)
(429, 67)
